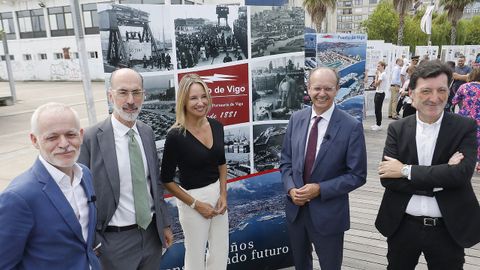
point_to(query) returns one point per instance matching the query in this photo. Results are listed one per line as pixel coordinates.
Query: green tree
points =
(454, 10)
(318, 10)
(402, 6)
(413, 34)
(382, 23)
(472, 31)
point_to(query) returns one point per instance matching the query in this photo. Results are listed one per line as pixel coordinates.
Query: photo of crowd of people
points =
(277, 30)
(217, 35)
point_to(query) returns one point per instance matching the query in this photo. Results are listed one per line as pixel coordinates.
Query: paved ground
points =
(365, 248)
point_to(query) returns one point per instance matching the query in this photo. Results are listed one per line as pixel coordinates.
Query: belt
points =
(121, 229)
(126, 228)
(395, 85)
(426, 221)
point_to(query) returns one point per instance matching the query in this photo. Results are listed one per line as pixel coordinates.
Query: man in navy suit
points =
(47, 214)
(323, 159)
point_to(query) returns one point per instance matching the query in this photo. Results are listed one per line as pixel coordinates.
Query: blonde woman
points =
(194, 145)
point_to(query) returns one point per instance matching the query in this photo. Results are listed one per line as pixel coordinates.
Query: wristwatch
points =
(405, 171)
(193, 204)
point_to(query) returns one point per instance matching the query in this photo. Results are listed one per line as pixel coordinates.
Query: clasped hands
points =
(391, 167)
(300, 196)
(208, 212)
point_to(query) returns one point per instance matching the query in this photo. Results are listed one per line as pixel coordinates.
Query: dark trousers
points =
(378, 101)
(133, 249)
(408, 109)
(412, 238)
(302, 233)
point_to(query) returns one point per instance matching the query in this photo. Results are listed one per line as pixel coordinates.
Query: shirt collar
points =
(58, 176)
(435, 124)
(325, 115)
(120, 128)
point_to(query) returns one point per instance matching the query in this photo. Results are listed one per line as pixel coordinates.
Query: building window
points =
(11, 57)
(90, 18)
(61, 23)
(6, 22)
(42, 56)
(372, 1)
(57, 56)
(27, 57)
(358, 2)
(358, 17)
(93, 54)
(75, 55)
(31, 23)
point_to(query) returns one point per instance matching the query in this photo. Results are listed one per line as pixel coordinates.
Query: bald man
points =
(133, 223)
(323, 159)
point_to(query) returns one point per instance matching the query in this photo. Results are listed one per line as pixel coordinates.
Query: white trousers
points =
(198, 230)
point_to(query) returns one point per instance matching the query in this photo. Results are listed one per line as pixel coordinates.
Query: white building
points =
(41, 39)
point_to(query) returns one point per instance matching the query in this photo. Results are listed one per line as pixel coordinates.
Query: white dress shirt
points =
(426, 139)
(73, 192)
(321, 126)
(383, 86)
(125, 213)
(396, 75)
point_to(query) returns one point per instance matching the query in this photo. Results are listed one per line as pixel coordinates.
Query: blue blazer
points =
(38, 227)
(340, 167)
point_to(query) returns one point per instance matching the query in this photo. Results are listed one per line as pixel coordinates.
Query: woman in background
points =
(195, 144)
(468, 98)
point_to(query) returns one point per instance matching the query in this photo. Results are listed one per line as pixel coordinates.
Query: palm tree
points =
(402, 6)
(318, 10)
(454, 10)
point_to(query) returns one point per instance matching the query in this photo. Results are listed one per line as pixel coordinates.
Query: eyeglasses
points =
(125, 93)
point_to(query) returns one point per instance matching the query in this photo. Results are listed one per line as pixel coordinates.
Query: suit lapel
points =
(53, 192)
(303, 131)
(106, 142)
(411, 134)
(332, 129)
(91, 208)
(443, 137)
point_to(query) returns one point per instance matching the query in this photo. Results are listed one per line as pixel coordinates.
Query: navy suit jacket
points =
(340, 167)
(38, 227)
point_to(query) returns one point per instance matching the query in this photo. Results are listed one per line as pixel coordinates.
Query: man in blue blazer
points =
(47, 214)
(323, 159)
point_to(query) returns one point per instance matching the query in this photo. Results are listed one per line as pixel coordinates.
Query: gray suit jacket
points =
(98, 153)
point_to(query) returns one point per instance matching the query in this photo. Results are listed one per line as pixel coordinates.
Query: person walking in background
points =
(133, 222)
(468, 98)
(195, 145)
(381, 86)
(429, 205)
(395, 88)
(408, 109)
(319, 172)
(460, 76)
(47, 214)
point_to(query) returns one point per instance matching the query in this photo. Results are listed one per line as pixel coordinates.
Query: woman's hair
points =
(474, 76)
(182, 98)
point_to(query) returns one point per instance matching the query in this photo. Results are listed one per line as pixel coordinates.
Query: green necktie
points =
(140, 192)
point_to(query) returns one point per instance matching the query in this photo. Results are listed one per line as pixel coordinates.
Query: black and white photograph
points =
(237, 150)
(267, 146)
(158, 109)
(277, 30)
(207, 34)
(278, 87)
(136, 36)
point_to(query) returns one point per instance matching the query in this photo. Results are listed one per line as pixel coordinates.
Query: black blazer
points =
(458, 204)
